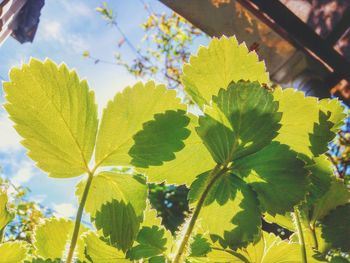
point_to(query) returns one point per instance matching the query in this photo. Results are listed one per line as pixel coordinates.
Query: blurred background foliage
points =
(169, 38)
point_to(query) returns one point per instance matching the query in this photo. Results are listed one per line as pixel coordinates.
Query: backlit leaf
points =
(56, 115)
(337, 195)
(151, 242)
(5, 215)
(13, 252)
(107, 186)
(253, 121)
(124, 116)
(52, 236)
(235, 202)
(279, 187)
(100, 252)
(118, 222)
(336, 228)
(192, 160)
(217, 66)
(160, 139)
(307, 125)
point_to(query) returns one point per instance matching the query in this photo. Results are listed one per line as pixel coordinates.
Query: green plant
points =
(250, 152)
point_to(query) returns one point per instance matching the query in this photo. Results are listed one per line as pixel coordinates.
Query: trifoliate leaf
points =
(217, 66)
(337, 195)
(151, 242)
(13, 252)
(52, 236)
(182, 170)
(107, 186)
(199, 247)
(160, 139)
(124, 116)
(279, 187)
(119, 223)
(235, 202)
(100, 252)
(5, 215)
(336, 228)
(56, 115)
(253, 122)
(306, 127)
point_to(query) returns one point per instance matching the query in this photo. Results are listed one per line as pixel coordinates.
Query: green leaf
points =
(13, 252)
(56, 115)
(236, 204)
(217, 66)
(151, 219)
(336, 228)
(336, 111)
(124, 116)
(5, 215)
(269, 249)
(279, 187)
(52, 236)
(107, 186)
(160, 139)
(250, 122)
(40, 260)
(200, 246)
(321, 173)
(307, 125)
(119, 223)
(100, 252)
(337, 195)
(151, 243)
(182, 170)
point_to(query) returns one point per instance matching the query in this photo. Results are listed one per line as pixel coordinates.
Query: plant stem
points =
(314, 237)
(215, 174)
(300, 235)
(78, 218)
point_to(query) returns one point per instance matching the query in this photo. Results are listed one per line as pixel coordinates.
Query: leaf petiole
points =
(78, 217)
(215, 174)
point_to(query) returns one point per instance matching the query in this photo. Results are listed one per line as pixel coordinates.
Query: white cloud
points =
(78, 8)
(66, 210)
(54, 30)
(25, 172)
(9, 139)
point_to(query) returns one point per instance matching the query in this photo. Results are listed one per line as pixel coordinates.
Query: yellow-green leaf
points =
(216, 66)
(192, 160)
(100, 252)
(13, 252)
(124, 116)
(52, 236)
(107, 186)
(307, 127)
(5, 215)
(56, 115)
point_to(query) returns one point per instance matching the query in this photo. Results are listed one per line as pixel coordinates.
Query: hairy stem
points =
(300, 235)
(73, 242)
(215, 174)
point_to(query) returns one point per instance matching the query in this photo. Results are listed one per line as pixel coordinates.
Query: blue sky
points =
(67, 28)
